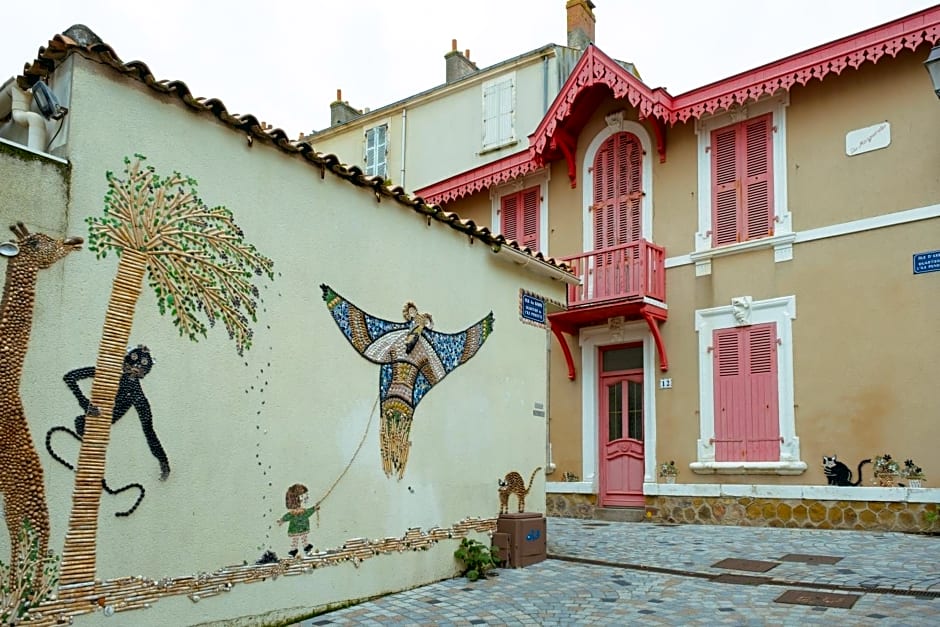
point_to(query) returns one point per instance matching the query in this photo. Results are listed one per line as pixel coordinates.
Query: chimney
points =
(580, 23)
(340, 111)
(458, 64)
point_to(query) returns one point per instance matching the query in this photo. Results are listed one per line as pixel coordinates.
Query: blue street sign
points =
(927, 262)
(533, 308)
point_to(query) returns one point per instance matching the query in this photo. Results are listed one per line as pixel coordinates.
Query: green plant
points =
(912, 470)
(28, 580)
(477, 558)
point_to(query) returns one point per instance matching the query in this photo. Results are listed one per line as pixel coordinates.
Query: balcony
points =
(627, 281)
(632, 271)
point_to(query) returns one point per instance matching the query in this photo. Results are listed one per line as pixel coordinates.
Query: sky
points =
(284, 60)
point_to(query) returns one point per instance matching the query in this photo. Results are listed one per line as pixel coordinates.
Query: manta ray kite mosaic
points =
(413, 358)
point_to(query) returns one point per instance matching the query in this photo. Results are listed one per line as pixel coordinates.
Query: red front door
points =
(621, 466)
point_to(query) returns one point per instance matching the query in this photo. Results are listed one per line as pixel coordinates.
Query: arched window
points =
(618, 191)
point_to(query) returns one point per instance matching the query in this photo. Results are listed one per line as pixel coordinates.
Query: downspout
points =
(35, 123)
(549, 462)
(544, 84)
(404, 129)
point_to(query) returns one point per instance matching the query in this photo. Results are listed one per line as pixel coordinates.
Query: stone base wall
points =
(804, 513)
(570, 505)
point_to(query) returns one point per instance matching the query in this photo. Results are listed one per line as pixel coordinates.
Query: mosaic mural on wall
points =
(137, 365)
(21, 475)
(201, 270)
(413, 359)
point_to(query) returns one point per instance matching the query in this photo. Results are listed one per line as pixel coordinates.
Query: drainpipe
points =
(35, 123)
(404, 128)
(549, 462)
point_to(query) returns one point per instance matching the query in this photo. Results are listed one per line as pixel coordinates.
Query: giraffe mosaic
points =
(21, 475)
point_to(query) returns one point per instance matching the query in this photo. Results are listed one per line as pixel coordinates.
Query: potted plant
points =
(478, 559)
(913, 473)
(887, 471)
(669, 471)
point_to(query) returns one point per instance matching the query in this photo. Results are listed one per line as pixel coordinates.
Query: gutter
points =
(533, 264)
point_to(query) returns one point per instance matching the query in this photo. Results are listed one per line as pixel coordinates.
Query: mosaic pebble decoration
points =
(21, 473)
(125, 594)
(413, 358)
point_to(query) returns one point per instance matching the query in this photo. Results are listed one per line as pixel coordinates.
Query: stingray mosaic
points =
(202, 271)
(413, 359)
(21, 475)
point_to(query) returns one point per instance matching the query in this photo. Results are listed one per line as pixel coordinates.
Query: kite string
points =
(349, 464)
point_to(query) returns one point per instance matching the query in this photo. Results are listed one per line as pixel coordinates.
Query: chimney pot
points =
(466, 53)
(339, 95)
(453, 45)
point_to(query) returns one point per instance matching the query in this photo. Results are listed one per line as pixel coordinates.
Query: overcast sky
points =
(283, 61)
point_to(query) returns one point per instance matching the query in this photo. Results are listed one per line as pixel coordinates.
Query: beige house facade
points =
(756, 286)
(301, 414)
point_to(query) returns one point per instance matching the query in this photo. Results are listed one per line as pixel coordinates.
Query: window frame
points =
(781, 310)
(539, 179)
(616, 123)
(365, 152)
(783, 238)
(495, 143)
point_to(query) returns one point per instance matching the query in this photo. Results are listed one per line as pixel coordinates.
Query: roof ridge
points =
(61, 46)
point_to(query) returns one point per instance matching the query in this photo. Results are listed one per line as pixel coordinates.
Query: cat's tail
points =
(860, 464)
(531, 479)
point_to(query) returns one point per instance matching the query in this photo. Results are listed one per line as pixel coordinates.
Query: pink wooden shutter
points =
(747, 423)
(758, 214)
(604, 195)
(509, 216)
(725, 182)
(633, 172)
(763, 433)
(529, 218)
(729, 391)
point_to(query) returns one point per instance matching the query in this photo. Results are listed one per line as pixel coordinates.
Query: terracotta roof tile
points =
(60, 47)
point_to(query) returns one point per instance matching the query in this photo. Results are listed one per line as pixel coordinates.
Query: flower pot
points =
(886, 479)
(670, 479)
(915, 483)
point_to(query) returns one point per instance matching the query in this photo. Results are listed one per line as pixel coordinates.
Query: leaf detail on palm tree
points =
(197, 259)
(413, 358)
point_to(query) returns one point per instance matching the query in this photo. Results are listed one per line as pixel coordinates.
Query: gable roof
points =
(596, 75)
(60, 47)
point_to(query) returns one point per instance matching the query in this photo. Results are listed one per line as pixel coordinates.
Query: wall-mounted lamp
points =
(933, 68)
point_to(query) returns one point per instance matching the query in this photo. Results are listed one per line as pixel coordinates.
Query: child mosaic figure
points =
(298, 517)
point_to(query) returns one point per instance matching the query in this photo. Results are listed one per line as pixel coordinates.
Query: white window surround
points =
(781, 311)
(540, 179)
(490, 144)
(616, 124)
(782, 240)
(592, 339)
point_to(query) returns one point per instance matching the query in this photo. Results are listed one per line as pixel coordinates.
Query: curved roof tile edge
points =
(60, 47)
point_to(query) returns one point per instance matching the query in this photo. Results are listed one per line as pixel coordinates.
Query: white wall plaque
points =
(867, 139)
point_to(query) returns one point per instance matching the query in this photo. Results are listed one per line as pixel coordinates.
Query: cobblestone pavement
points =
(626, 573)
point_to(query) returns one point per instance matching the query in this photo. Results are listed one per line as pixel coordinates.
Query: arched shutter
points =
(618, 191)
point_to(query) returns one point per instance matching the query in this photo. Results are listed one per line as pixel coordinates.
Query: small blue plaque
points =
(533, 308)
(927, 262)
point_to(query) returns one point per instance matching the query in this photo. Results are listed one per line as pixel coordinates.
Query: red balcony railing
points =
(629, 271)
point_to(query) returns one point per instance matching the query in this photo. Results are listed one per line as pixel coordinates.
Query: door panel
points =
(622, 450)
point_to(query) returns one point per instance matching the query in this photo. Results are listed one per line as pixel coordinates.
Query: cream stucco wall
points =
(863, 336)
(444, 130)
(239, 430)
